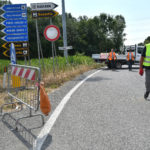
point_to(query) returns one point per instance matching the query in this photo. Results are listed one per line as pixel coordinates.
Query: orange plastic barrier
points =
(45, 105)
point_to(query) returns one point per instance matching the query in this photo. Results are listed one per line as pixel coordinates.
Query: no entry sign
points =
(52, 33)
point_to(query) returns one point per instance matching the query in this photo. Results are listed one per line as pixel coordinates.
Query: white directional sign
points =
(42, 6)
(65, 48)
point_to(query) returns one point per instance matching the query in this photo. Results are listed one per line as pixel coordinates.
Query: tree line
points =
(86, 35)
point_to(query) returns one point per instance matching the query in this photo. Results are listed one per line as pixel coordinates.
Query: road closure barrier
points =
(24, 96)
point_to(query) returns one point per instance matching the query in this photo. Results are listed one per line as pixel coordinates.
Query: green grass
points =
(60, 63)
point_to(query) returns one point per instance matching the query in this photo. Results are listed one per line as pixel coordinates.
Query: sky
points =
(135, 12)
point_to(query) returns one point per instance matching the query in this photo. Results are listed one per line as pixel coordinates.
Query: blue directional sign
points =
(15, 15)
(15, 30)
(12, 54)
(15, 38)
(14, 7)
(16, 23)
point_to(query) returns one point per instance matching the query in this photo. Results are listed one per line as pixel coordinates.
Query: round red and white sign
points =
(51, 33)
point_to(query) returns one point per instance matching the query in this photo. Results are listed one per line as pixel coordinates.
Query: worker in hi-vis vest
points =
(130, 59)
(145, 63)
(112, 59)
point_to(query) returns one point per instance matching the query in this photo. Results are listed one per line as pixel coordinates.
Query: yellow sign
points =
(15, 81)
(19, 53)
(18, 45)
(44, 14)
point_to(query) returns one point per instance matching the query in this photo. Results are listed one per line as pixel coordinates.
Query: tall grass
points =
(60, 63)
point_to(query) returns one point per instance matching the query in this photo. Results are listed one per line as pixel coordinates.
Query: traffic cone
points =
(45, 105)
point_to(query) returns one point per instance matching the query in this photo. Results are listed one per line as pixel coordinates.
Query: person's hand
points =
(141, 71)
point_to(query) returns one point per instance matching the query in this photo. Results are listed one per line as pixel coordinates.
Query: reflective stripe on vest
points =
(147, 57)
(130, 54)
(112, 56)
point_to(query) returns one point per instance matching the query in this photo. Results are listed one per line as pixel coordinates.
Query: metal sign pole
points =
(41, 52)
(37, 34)
(53, 58)
(64, 29)
(56, 57)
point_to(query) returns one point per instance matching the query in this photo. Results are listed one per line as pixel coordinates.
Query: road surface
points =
(106, 112)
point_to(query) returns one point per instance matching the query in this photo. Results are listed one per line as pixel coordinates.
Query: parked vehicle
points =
(121, 58)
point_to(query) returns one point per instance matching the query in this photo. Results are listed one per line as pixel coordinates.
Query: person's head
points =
(112, 50)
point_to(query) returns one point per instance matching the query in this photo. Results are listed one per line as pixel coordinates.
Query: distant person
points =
(112, 59)
(130, 59)
(145, 63)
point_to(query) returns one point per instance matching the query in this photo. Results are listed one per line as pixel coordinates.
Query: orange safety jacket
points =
(128, 56)
(110, 56)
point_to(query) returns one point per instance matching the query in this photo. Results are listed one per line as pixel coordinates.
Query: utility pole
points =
(64, 28)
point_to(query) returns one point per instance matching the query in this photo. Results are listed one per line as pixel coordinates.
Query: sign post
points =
(52, 33)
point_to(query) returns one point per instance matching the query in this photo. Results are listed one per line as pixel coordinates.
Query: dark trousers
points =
(130, 64)
(147, 79)
(112, 64)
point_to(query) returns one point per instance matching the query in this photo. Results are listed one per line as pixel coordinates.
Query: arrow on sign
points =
(15, 15)
(43, 6)
(11, 23)
(18, 45)
(18, 53)
(14, 7)
(15, 38)
(17, 30)
(43, 14)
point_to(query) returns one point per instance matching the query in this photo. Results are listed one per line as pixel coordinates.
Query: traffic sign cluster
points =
(43, 10)
(16, 27)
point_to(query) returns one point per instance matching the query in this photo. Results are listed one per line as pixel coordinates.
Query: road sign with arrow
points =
(44, 14)
(14, 7)
(43, 6)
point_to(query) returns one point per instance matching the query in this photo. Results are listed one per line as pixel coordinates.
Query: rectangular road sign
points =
(43, 6)
(44, 14)
(18, 45)
(15, 15)
(14, 7)
(16, 23)
(65, 48)
(15, 30)
(15, 38)
(19, 53)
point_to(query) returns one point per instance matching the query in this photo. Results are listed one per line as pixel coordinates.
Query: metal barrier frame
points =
(20, 101)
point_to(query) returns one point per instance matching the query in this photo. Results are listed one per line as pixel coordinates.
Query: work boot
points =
(146, 95)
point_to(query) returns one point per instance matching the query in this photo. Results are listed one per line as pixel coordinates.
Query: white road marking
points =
(50, 122)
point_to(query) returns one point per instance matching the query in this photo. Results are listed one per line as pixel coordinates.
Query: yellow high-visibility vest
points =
(146, 61)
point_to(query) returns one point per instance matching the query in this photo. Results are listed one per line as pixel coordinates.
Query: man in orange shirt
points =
(112, 59)
(130, 59)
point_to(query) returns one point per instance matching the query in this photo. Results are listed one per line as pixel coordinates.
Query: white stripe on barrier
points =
(24, 72)
(17, 72)
(31, 74)
(12, 70)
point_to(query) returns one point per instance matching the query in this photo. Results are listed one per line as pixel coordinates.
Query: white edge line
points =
(50, 122)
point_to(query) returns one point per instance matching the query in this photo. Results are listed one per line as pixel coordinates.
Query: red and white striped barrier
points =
(23, 73)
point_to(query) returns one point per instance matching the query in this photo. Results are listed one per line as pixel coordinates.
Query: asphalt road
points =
(107, 112)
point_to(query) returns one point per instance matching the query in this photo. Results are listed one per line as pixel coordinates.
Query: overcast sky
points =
(135, 12)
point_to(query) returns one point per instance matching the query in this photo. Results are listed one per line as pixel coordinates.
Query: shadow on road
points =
(47, 142)
(20, 131)
(95, 79)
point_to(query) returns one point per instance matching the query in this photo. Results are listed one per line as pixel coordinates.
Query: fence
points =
(23, 92)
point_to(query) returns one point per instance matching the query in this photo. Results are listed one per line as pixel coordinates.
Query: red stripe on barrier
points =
(21, 71)
(27, 73)
(15, 70)
(33, 76)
